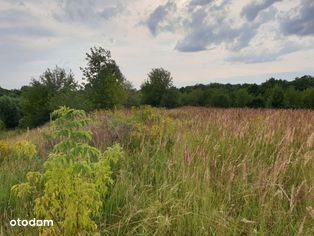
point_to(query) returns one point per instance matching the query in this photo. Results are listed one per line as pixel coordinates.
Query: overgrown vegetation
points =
(75, 179)
(188, 171)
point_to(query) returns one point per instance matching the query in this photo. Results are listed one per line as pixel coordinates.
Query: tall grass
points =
(198, 171)
(228, 172)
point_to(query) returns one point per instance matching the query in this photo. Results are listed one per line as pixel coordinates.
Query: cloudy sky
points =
(198, 41)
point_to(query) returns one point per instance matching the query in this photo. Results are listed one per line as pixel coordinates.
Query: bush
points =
(75, 179)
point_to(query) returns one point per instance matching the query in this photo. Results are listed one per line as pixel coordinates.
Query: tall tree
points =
(9, 111)
(39, 99)
(293, 97)
(156, 86)
(220, 100)
(308, 99)
(105, 84)
(171, 98)
(242, 98)
(257, 102)
(277, 98)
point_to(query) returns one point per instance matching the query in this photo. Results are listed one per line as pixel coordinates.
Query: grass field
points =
(190, 171)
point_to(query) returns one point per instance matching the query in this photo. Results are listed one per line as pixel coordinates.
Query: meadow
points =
(186, 171)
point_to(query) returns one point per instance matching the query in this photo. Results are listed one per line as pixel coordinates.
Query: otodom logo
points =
(32, 223)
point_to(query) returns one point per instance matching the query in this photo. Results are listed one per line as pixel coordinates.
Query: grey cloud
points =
(234, 38)
(158, 16)
(110, 11)
(18, 24)
(76, 10)
(265, 56)
(267, 15)
(16, 2)
(203, 33)
(251, 11)
(13, 16)
(89, 11)
(200, 2)
(11, 52)
(31, 31)
(303, 23)
(14, 59)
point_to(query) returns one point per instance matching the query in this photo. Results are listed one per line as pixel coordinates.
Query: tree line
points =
(105, 87)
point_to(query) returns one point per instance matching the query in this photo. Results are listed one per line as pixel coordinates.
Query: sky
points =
(198, 41)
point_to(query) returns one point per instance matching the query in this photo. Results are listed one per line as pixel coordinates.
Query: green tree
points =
(303, 83)
(195, 97)
(77, 99)
(171, 98)
(293, 97)
(220, 100)
(158, 83)
(257, 102)
(242, 98)
(277, 98)
(53, 89)
(308, 99)
(9, 111)
(132, 96)
(105, 83)
(253, 89)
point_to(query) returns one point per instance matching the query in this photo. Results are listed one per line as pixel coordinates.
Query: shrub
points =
(76, 176)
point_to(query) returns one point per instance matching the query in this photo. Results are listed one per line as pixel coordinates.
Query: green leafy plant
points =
(76, 176)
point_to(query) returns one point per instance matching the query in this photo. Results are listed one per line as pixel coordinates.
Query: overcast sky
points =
(198, 41)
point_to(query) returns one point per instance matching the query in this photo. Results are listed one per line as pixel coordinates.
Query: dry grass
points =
(234, 171)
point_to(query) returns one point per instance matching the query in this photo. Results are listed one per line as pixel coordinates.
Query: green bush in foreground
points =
(76, 176)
